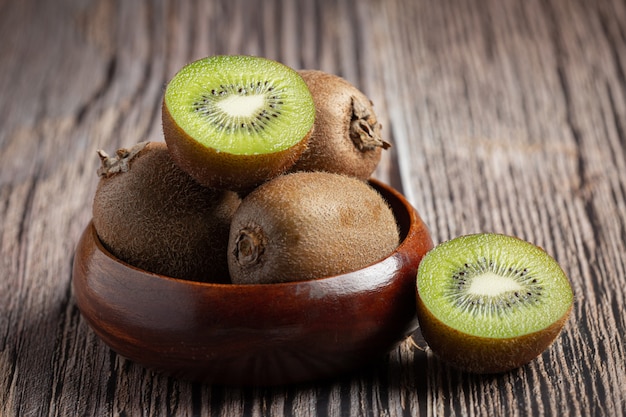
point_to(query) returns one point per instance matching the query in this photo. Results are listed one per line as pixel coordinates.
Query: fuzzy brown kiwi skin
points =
(347, 135)
(225, 170)
(309, 225)
(483, 355)
(152, 215)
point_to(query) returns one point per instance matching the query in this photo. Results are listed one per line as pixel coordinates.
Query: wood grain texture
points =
(505, 116)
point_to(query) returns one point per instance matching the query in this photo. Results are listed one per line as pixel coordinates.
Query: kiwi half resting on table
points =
(490, 303)
(309, 225)
(347, 135)
(233, 122)
(152, 215)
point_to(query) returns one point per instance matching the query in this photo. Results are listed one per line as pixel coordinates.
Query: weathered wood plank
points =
(505, 116)
(520, 126)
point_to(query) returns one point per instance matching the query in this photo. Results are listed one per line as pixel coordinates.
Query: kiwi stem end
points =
(249, 247)
(363, 128)
(110, 165)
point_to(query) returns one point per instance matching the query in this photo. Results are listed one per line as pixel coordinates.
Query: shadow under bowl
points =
(267, 334)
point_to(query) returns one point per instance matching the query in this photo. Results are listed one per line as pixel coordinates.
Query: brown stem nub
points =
(364, 129)
(249, 247)
(110, 165)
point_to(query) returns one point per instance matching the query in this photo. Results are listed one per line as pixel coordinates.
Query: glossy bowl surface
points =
(265, 334)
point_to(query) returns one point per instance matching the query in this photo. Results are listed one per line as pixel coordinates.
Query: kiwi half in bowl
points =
(235, 121)
(490, 303)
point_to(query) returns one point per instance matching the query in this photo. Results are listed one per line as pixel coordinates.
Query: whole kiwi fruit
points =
(152, 215)
(490, 303)
(235, 121)
(346, 138)
(309, 225)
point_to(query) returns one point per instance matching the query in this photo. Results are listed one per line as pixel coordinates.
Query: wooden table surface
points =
(505, 116)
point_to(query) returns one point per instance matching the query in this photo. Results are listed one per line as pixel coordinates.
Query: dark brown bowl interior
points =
(254, 334)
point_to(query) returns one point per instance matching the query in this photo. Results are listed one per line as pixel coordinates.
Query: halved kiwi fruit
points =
(490, 303)
(234, 121)
(152, 215)
(309, 225)
(347, 136)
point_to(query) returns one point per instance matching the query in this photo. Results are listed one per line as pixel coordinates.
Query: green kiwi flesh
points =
(347, 136)
(490, 303)
(235, 121)
(150, 214)
(309, 225)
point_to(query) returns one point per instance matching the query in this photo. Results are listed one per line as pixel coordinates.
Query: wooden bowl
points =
(266, 334)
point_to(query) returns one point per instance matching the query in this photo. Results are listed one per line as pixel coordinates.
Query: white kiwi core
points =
(490, 284)
(242, 106)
